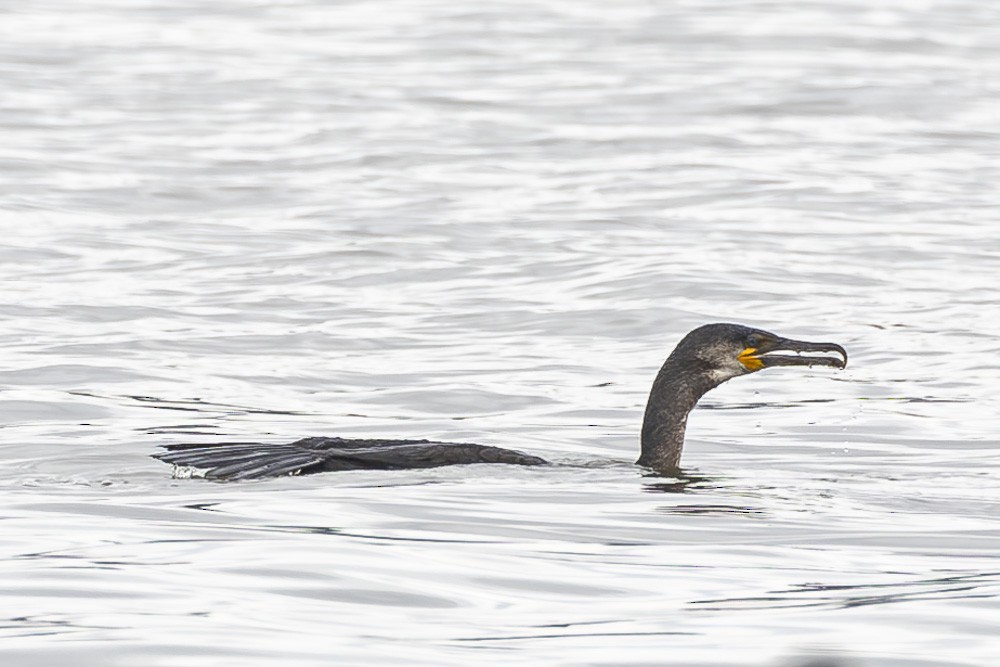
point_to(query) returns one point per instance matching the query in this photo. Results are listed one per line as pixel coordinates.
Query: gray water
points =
(247, 220)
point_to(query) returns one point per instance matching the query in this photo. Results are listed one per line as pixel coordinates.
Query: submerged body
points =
(310, 455)
(704, 359)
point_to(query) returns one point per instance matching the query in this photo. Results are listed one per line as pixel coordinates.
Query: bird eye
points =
(753, 340)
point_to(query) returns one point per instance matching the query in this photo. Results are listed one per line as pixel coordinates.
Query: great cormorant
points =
(704, 359)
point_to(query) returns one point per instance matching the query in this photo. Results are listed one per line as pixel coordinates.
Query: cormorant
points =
(704, 359)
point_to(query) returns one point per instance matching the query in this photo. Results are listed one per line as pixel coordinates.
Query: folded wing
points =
(242, 460)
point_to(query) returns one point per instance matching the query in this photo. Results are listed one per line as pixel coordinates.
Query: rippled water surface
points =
(491, 222)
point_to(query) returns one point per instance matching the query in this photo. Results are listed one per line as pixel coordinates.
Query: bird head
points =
(725, 351)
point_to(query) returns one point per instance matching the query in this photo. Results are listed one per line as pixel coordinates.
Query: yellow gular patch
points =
(750, 362)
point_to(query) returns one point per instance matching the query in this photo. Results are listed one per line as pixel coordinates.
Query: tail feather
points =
(241, 460)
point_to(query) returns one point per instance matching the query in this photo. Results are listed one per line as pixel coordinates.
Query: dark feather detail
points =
(242, 460)
(235, 461)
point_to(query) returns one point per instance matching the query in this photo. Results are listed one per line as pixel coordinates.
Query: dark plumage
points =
(245, 460)
(704, 359)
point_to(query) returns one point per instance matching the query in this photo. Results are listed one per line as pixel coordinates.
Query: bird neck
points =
(675, 392)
